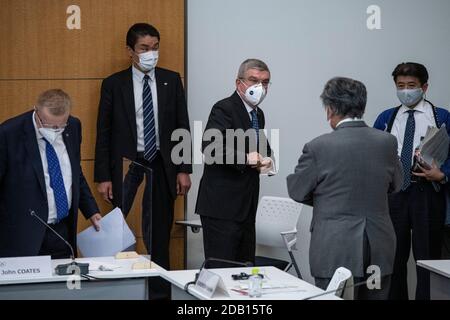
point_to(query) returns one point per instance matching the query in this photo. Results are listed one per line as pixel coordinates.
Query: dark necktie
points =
(407, 149)
(255, 124)
(149, 122)
(56, 182)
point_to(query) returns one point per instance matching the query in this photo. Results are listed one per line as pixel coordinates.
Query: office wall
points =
(47, 44)
(305, 43)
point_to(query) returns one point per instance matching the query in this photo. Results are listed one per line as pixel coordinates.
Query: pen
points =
(245, 293)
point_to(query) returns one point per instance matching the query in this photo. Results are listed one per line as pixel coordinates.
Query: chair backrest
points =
(276, 215)
(340, 278)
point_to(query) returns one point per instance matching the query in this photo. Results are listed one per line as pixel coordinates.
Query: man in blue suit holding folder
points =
(419, 208)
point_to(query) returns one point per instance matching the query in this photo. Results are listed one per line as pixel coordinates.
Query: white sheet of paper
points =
(114, 236)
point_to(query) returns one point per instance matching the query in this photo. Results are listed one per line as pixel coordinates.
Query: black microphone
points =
(203, 266)
(236, 263)
(69, 268)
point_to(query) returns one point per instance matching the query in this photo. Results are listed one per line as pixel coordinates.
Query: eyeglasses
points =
(253, 81)
(50, 126)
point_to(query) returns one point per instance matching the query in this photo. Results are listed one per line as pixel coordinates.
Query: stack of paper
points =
(435, 146)
(114, 236)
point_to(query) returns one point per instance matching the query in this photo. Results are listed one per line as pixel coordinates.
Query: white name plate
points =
(25, 268)
(208, 283)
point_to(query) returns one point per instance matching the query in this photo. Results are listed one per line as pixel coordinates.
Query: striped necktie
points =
(149, 122)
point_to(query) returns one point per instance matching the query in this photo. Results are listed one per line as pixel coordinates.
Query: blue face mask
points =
(410, 97)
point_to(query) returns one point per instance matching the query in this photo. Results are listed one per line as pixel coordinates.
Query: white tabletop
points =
(284, 285)
(121, 269)
(441, 267)
(190, 223)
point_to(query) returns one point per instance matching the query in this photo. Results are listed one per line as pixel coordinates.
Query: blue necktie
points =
(407, 149)
(255, 124)
(149, 122)
(56, 182)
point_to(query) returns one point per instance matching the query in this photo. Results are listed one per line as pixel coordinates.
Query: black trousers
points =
(417, 213)
(157, 213)
(229, 240)
(52, 245)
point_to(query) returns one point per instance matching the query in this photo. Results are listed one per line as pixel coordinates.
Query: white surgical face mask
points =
(410, 97)
(50, 134)
(255, 94)
(148, 60)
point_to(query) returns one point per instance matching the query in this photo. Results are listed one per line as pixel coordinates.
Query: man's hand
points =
(265, 166)
(105, 190)
(433, 174)
(95, 220)
(254, 159)
(183, 183)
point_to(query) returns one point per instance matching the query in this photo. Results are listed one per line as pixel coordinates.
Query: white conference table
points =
(439, 278)
(284, 286)
(122, 283)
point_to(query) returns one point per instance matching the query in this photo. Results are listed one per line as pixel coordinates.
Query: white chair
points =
(340, 283)
(276, 226)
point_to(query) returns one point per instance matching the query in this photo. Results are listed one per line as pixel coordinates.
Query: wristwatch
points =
(444, 181)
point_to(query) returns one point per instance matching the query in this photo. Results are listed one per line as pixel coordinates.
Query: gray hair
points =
(55, 100)
(252, 64)
(346, 97)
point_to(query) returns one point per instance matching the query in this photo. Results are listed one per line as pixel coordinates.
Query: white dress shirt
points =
(423, 117)
(138, 88)
(66, 170)
(348, 120)
(272, 170)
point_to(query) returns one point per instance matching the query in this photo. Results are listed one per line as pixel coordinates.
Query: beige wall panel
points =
(36, 43)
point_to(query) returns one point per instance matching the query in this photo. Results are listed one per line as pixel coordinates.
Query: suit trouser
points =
(230, 240)
(52, 245)
(157, 212)
(417, 213)
(362, 292)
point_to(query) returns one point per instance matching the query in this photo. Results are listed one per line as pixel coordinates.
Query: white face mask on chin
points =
(50, 134)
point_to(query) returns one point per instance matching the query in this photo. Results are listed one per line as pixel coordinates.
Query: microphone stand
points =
(203, 266)
(68, 268)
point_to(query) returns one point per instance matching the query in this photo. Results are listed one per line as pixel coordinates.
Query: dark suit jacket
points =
(22, 186)
(116, 126)
(346, 176)
(228, 190)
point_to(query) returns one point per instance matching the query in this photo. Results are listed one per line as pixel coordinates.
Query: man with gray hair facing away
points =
(229, 189)
(346, 176)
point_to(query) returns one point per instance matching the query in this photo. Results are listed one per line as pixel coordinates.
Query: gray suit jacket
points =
(346, 176)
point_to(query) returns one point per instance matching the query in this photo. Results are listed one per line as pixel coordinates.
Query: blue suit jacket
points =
(443, 117)
(22, 186)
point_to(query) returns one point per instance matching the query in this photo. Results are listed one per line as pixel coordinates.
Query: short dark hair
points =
(140, 30)
(346, 97)
(412, 69)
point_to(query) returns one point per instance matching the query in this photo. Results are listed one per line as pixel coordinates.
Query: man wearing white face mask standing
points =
(229, 189)
(419, 208)
(139, 109)
(40, 171)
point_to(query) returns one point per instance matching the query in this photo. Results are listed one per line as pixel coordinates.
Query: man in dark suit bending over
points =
(40, 171)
